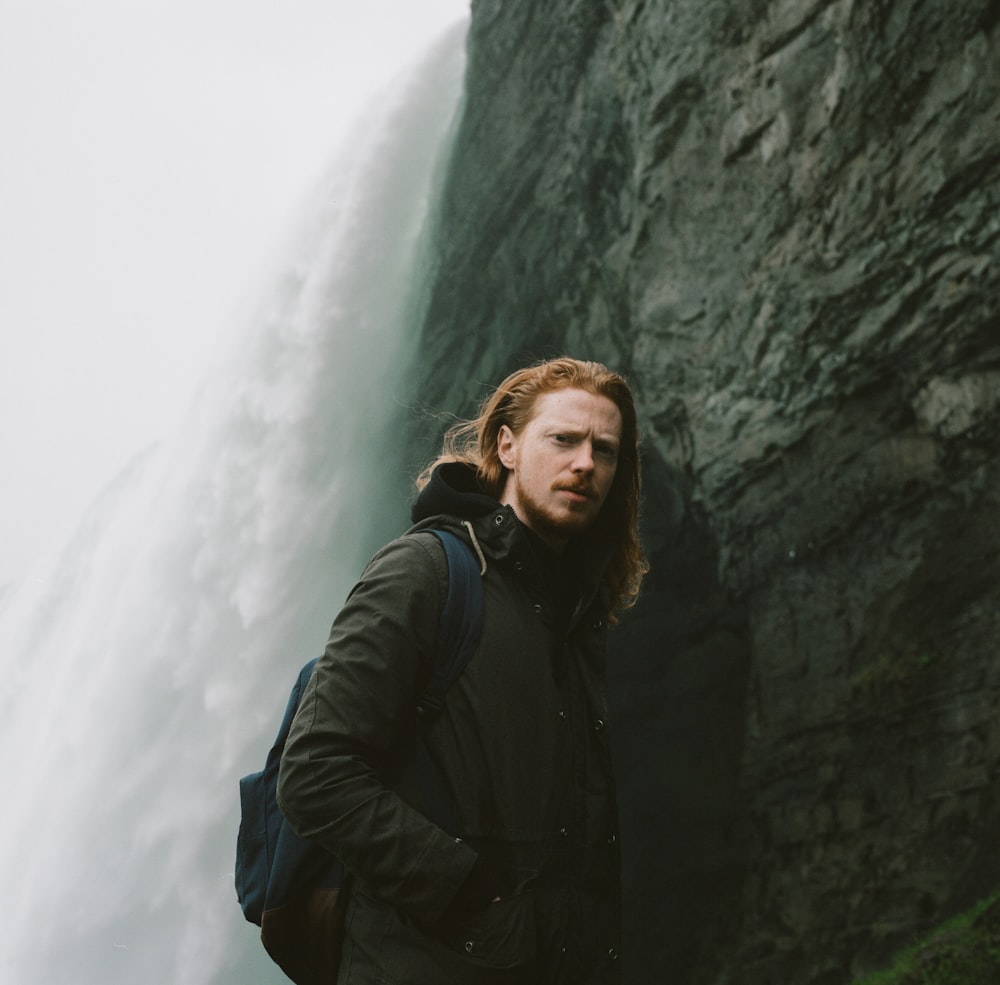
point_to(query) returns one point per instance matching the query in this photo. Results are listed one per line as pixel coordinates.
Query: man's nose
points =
(583, 461)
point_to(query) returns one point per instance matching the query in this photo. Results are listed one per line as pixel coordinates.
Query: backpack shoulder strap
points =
(461, 622)
(293, 706)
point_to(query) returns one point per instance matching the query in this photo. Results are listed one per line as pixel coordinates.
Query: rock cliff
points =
(780, 218)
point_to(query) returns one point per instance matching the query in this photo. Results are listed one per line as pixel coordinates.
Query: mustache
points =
(581, 488)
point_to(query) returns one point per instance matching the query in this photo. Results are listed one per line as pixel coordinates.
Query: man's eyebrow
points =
(608, 438)
(573, 431)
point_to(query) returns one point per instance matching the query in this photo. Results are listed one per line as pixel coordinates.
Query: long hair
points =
(512, 404)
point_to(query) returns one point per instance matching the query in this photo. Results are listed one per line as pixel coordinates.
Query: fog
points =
(146, 666)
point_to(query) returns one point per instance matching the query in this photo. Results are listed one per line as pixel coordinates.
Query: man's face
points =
(561, 465)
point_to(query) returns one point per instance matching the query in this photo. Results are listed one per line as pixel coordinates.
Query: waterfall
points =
(146, 670)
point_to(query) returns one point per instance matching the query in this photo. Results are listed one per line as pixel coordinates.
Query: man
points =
(517, 880)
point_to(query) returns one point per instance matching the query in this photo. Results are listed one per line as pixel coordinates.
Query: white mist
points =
(147, 670)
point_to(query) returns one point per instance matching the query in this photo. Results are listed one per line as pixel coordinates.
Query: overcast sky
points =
(155, 154)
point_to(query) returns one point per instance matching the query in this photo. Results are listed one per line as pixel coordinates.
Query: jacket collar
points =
(452, 496)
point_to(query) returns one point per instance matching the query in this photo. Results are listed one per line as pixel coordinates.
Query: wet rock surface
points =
(781, 221)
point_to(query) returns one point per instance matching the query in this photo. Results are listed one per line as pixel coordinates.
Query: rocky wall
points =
(781, 220)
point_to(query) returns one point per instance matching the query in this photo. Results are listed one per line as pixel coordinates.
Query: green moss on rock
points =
(964, 951)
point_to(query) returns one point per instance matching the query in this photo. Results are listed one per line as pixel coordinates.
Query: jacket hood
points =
(452, 491)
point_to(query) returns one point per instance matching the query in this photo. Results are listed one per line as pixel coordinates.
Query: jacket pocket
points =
(491, 946)
(500, 935)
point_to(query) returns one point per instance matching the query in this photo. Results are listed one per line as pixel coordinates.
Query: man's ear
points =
(505, 446)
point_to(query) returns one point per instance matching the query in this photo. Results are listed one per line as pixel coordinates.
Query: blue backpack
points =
(293, 889)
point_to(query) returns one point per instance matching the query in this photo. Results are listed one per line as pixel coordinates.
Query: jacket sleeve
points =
(360, 699)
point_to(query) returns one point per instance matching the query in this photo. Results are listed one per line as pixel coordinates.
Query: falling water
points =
(144, 672)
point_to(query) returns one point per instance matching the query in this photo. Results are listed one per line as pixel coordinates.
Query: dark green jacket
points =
(515, 771)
